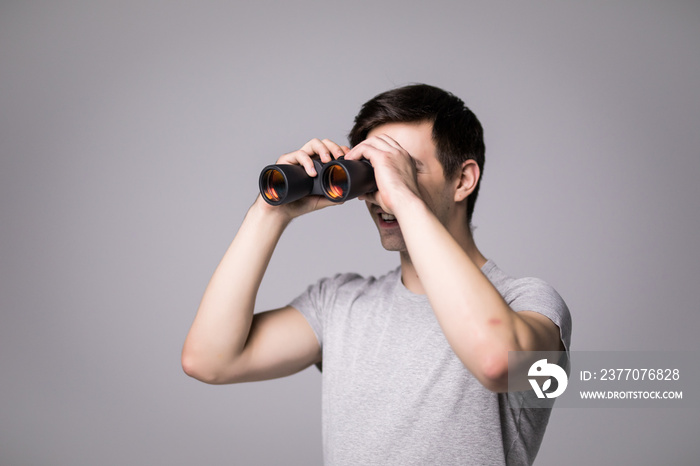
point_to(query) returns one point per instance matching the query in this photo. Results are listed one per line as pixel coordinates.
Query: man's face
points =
(416, 139)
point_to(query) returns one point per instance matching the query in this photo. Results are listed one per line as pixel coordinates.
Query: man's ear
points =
(467, 180)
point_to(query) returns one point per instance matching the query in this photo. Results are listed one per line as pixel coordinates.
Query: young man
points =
(413, 361)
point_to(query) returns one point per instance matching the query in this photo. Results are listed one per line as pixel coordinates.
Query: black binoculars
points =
(339, 180)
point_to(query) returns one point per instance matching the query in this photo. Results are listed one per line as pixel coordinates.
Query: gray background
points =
(132, 134)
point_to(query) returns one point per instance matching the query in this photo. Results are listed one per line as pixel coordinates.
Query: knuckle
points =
(309, 145)
(291, 157)
(285, 157)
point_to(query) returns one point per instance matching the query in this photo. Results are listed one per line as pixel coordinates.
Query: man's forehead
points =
(416, 138)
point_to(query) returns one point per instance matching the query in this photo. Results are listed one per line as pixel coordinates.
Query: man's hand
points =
(394, 171)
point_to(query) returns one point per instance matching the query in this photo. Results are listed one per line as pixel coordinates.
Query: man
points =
(414, 361)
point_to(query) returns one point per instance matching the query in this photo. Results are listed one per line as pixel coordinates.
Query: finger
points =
(316, 202)
(375, 142)
(390, 141)
(356, 152)
(316, 146)
(386, 143)
(299, 157)
(325, 202)
(364, 151)
(336, 150)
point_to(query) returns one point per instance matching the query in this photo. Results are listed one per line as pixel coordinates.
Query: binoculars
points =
(339, 180)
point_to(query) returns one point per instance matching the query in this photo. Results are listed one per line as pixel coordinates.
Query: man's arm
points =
(477, 322)
(227, 343)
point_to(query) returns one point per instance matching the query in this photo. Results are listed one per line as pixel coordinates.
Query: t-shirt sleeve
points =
(319, 299)
(533, 294)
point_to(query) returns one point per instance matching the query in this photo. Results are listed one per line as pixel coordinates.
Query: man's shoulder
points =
(531, 294)
(343, 291)
(510, 286)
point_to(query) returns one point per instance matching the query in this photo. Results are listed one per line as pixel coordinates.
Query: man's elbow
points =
(195, 369)
(200, 370)
(492, 373)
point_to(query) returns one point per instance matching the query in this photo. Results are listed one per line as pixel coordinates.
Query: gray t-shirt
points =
(394, 392)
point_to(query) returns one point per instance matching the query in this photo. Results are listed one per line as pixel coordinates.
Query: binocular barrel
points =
(338, 180)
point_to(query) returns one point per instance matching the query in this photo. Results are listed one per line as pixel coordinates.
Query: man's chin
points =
(391, 239)
(393, 245)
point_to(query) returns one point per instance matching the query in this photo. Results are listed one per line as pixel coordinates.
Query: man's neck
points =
(409, 275)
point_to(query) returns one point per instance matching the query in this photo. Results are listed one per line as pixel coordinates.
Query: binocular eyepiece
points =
(339, 180)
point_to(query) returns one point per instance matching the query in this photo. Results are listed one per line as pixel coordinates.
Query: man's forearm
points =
(477, 322)
(222, 324)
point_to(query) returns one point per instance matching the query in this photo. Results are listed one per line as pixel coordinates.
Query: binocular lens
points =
(274, 185)
(335, 182)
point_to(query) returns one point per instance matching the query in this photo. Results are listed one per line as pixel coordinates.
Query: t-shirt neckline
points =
(404, 292)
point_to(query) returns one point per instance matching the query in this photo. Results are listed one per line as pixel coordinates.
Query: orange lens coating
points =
(336, 182)
(274, 186)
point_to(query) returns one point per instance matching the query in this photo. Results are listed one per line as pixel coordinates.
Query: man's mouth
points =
(386, 220)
